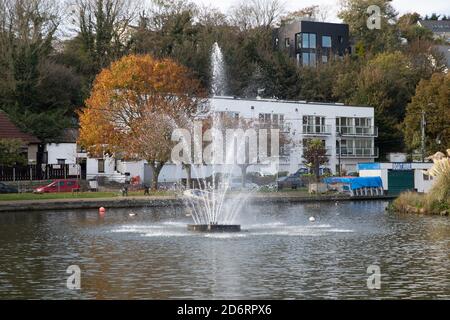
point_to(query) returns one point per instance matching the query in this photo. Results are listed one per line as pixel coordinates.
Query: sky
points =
(402, 6)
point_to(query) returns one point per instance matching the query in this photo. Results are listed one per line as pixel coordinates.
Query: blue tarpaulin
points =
(357, 182)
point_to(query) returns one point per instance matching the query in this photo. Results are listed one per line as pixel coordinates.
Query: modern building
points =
(31, 144)
(398, 177)
(311, 42)
(347, 132)
(440, 28)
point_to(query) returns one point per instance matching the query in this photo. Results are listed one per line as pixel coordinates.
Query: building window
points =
(101, 165)
(314, 124)
(61, 161)
(326, 42)
(324, 59)
(308, 40)
(308, 59)
(298, 40)
(287, 42)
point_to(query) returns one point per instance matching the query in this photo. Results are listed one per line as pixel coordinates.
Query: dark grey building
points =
(312, 42)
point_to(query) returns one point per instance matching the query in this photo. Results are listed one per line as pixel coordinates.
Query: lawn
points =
(81, 195)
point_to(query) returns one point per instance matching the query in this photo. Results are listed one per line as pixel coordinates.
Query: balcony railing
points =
(358, 152)
(317, 130)
(357, 131)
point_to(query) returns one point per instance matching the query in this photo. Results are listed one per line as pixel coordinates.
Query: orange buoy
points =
(102, 211)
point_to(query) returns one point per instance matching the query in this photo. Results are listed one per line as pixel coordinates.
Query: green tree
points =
(387, 83)
(315, 155)
(11, 152)
(354, 13)
(432, 97)
(33, 86)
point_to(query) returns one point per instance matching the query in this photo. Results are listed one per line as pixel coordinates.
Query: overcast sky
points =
(402, 6)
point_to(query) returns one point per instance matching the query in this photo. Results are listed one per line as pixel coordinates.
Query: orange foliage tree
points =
(134, 107)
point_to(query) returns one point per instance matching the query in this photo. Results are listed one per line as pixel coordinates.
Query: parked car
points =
(236, 184)
(7, 189)
(65, 185)
(293, 181)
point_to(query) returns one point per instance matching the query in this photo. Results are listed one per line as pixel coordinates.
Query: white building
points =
(348, 132)
(399, 176)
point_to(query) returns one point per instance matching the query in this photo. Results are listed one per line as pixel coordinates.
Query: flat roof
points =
(289, 101)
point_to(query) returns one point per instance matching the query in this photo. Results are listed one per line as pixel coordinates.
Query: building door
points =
(400, 181)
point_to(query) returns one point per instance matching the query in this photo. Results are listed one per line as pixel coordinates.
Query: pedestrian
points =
(125, 191)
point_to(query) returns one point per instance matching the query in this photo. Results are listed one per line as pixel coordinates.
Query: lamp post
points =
(339, 135)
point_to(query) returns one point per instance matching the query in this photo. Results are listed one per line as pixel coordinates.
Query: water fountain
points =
(211, 209)
(218, 73)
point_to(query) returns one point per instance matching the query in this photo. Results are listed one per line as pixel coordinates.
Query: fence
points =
(39, 172)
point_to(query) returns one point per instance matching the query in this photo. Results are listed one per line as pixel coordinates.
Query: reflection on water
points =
(279, 255)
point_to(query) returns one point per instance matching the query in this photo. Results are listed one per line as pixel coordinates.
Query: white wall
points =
(67, 151)
(420, 183)
(293, 114)
(135, 168)
(92, 167)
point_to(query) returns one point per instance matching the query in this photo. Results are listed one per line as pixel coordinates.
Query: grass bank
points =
(413, 202)
(437, 201)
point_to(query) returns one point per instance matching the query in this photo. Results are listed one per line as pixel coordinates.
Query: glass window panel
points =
(305, 58)
(305, 40)
(312, 40)
(326, 41)
(312, 59)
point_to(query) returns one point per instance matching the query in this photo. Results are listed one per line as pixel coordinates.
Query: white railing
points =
(317, 129)
(358, 152)
(357, 131)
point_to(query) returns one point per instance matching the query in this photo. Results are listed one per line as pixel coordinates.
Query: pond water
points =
(280, 255)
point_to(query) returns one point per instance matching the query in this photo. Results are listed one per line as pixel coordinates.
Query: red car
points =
(66, 185)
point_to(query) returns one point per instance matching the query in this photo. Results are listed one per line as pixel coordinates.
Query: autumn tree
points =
(433, 98)
(134, 107)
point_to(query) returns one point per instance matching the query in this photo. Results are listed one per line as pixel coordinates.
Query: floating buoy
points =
(312, 219)
(102, 211)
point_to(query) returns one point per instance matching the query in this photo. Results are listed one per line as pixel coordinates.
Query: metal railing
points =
(357, 131)
(358, 152)
(317, 129)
